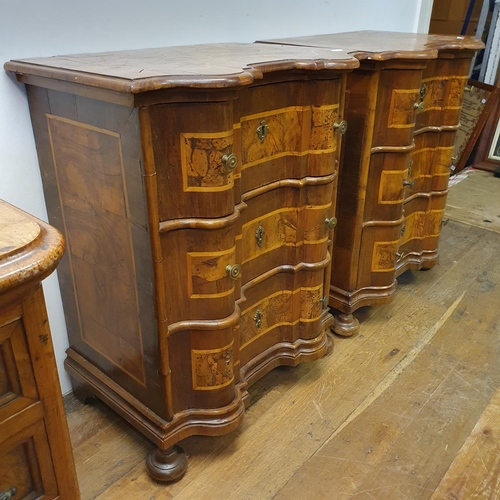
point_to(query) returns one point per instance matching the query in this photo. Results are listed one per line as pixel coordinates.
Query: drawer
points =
(416, 226)
(288, 130)
(281, 309)
(193, 150)
(26, 465)
(444, 81)
(385, 190)
(287, 226)
(377, 262)
(431, 162)
(17, 384)
(196, 264)
(398, 95)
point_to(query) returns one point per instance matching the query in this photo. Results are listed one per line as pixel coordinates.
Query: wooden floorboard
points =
(397, 412)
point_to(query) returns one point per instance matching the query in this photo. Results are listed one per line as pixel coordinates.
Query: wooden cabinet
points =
(402, 107)
(196, 188)
(36, 460)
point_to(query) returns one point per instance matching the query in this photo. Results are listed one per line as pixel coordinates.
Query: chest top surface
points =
(198, 66)
(29, 249)
(385, 45)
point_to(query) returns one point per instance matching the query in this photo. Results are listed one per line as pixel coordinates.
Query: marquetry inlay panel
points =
(213, 368)
(202, 165)
(401, 110)
(89, 165)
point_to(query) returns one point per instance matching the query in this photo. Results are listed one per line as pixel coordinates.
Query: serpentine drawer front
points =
(196, 188)
(36, 460)
(402, 108)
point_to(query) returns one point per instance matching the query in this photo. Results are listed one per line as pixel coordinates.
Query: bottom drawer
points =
(283, 312)
(377, 262)
(26, 465)
(418, 247)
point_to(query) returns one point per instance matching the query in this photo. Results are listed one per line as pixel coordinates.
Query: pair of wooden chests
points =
(216, 199)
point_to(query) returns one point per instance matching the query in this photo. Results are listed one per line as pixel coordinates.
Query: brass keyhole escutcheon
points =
(259, 235)
(230, 162)
(341, 127)
(262, 130)
(234, 271)
(228, 358)
(423, 91)
(257, 318)
(331, 222)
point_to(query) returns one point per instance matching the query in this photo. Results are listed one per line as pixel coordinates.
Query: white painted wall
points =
(49, 27)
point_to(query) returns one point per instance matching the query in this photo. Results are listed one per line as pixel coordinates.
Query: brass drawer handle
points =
(230, 162)
(257, 318)
(7, 495)
(234, 271)
(399, 256)
(262, 130)
(341, 127)
(409, 183)
(419, 106)
(331, 222)
(259, 234)
(324, 301)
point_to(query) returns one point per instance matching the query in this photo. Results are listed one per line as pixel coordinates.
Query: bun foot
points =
(167, 465)
(345, 325)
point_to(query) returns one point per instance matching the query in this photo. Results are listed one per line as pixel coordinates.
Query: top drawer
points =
(398, 99)
(193, 148)
(443, 87)
(288, 130)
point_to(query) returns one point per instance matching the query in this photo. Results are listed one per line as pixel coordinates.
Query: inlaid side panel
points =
(89, 168)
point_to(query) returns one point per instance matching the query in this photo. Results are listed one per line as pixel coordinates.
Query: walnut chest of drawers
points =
(196, 188)
(36, 460)
(402, 106)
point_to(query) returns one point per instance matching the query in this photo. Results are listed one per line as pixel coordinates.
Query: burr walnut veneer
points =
(402, 106)
(36, 460)
(196, 187)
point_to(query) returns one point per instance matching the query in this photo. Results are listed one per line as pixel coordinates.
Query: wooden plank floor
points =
(408, 409)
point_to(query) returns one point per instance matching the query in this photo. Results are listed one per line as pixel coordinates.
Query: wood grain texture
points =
(475, 472)
(387, 45)
(161, 206)
(36, 453)
(431, 377)
(197, 66)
